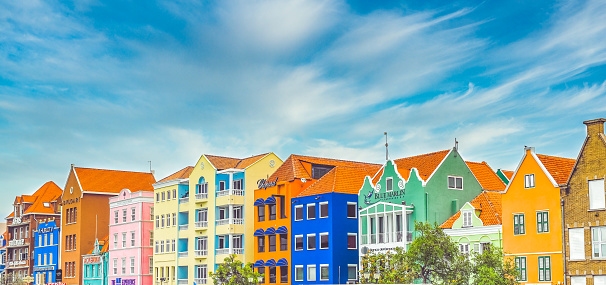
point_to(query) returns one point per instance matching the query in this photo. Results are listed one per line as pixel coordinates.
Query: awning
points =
(282, 230)
(271, 200)
(259, 233)
(270, 262)
(282, 262)
(259, 202)
(270, 231)
(259, 263)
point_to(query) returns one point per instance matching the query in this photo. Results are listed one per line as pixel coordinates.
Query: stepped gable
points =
(181, 174)
(341, 179)
(293, 167)
(490, 206)
(113, 181)
(559, 167)
(487, 178)
(426, 164)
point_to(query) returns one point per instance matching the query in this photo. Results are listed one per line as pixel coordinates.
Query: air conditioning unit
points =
(364, 250)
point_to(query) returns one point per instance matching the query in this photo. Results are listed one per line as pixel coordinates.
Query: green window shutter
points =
(546, 222)
(522, 225)
(541, 269)
(516, 225)
(539, 222)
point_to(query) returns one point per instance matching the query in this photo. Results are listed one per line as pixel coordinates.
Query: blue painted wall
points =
(41, 249)
(337, 225)
(2, 254)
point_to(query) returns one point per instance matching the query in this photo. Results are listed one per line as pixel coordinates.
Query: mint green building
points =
(94, 271)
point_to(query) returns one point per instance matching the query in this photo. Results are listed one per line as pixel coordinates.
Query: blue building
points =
(46, 252)
(325, 228)
(2, 253)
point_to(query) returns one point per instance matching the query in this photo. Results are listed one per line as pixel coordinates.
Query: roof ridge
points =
(344, 160)
(419, 155)
(91, 168)
(333, 170)
(553, 156)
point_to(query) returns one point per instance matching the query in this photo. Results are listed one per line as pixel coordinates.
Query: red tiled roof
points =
(293, 167)
(507, 173)
(426, 164)
(341, 179)
(181, 174)
(223, 162)
(104, 244)
(487, 178)
(47, 193)
(489, 204)
(113, 181)
(559, 167)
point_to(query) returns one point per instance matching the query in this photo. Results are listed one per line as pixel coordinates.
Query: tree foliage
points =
(492, 268)
(386, 268)
(11, 279)
(233, 272)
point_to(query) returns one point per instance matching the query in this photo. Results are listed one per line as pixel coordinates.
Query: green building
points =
(94, 271)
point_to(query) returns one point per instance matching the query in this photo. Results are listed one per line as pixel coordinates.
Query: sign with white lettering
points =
(16, 242)
(91, 259)
(16, 220)
(263, 184)
(45, 230)
(16, 263)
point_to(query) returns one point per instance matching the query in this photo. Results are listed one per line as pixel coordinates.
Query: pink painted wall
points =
(141, 201)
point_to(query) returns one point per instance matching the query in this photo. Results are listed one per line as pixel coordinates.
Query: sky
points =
(116, 84)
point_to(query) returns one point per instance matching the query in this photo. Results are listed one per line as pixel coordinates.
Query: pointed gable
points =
(425, 164)
(181, 174)
(223, 162)
(487, 178)
(490, 207)
(113, 181)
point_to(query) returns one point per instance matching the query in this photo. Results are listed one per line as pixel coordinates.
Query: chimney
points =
(595, 126)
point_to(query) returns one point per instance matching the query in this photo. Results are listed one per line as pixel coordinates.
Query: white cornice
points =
(131, 201)
(483, 230)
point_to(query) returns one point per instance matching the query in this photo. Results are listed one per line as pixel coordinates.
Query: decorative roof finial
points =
(456, 145)
(386, 149)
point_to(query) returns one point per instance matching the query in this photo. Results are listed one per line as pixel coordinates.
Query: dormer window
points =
(318, 170)
(467, 218)
(46, 204)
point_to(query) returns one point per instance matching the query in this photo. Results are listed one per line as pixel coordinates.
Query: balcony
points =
(183, 200)
(230, 221)
(201, 252)
(200, 280)
(230, 192)
(182, 281)
(183, 254)
(230, 251)
(201, 196)
(386, 237)
(183, 227)
(201, 225)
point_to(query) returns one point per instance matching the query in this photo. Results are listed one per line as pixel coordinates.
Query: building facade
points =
(85, 211)
(273, 219)
(130, 231)
(585, 211)
(28, 209)
(2, 254)
(46, 251)
(95, 264)
(532, 220)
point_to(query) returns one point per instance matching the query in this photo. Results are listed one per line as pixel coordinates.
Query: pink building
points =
(130, 233)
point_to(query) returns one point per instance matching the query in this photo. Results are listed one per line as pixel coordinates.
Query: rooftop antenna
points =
(386, 149)
(456, 145)
(150, 168)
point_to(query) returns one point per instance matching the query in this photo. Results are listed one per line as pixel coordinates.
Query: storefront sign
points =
(16, 220)
(45, 230)
(263, 184)
(71, 201)
(55, 283)
(120, 281)
(92, 259)
(45, 268)
(16, 242)
(59, 276)
(16, 263)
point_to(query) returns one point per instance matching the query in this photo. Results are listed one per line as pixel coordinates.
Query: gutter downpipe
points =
(563, 240)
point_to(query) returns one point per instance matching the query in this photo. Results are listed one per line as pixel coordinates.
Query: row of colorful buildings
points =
(308, 220)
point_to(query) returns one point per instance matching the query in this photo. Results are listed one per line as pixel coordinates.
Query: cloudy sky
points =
(115, 84)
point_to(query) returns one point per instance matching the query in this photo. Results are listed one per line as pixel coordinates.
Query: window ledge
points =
(595, 210)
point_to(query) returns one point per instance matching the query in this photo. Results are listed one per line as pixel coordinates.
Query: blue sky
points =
(114, 84)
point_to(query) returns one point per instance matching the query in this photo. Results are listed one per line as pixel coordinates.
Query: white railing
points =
(201, 252)
(182, 281)
(230, 221)
(201, 224)
(200, 280)
(222, 251)
(183, 254)
(183, 227)
(386, 237)
(184, 200)
(201, 196)
(230, 251)
(238, 251)
(237, 192)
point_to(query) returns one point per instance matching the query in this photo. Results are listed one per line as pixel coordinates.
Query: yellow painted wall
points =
(163, 260)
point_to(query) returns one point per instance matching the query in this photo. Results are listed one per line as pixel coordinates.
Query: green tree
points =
(233, 272)
(11, 279)
(386, 268)
(493, 268)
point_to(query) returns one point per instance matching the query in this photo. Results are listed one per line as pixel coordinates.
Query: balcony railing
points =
(386, 237)
(237, 192)
(183, 254)
(182, 281)
(230, 251)
(230, 221)
(200, 280)
(184, 200)
(183, 227)
(201, 224)
(201, 196)
(201, 252)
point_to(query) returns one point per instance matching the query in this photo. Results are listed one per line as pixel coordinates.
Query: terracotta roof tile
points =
(507, 173)
(104, 244)
(559, 167)
(489, 204)
(426, 164)
(487, 178)
(223, 162)
(181, 174)
(341, 179)
(113, 181)
(49, 192)
(246, 162)
(293, 167)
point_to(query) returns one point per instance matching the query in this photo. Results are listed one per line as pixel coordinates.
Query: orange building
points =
(85, 211)
(532, 220)
(272, 247)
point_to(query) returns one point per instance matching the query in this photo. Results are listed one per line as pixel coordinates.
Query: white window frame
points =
(387, 184)
(529, 181)
(132, 238)
(455, 182)
(355, 266)
(123, 239)
(328, 267)
(300, 218)
(299, 267)
(576, 243)
(133, 212)
(324, 234)
(315, 241)
(302, 239)
(320, 209)
(467, 223)
(314, 268)
(307, 211)
(356, 243)
(464, 248)
(597, 244)
(596, 191)
(355, 208)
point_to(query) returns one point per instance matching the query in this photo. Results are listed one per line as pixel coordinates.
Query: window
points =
(115, 217)
(151, 213)
(157, 247)
(157, 197)
(311, 211)
(163, 196)
(132, 265)
(75, 216)
(283, 274)
(261, 270)
(521, 268)
(221, 185)
(168, 196)
(311, 241)
(272, 274)
(272, 212)
(464, 248)
(311, 272)
(174, 219)
(578, 280)
(596, 194)
(299, 213)
(352, 242)
(238, 184)
(50, 258)
(598, 241)
(123, 240)
(261, 213)
(543, 222)
(132, 238)
(282, 207)
(151, 238)
(162, 221)
(161, 246)
(298, 242)
(175, 197)
(467, 218)
(352, 272)
(123, 265)
(324, 273)
(455, 182)
(157, 222)
(317, 171)
(132, 214)
(323, 240)
(324, 210)
(115, 266)
(173, 245)
(283, 242)
(518, 224)
(351, 210)
(389, 184)
(298, 272)
(115, 240)
(167, 220)
(272, 243)
(576, 236)
(124, 215)
(544, 268)
(529, 181)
